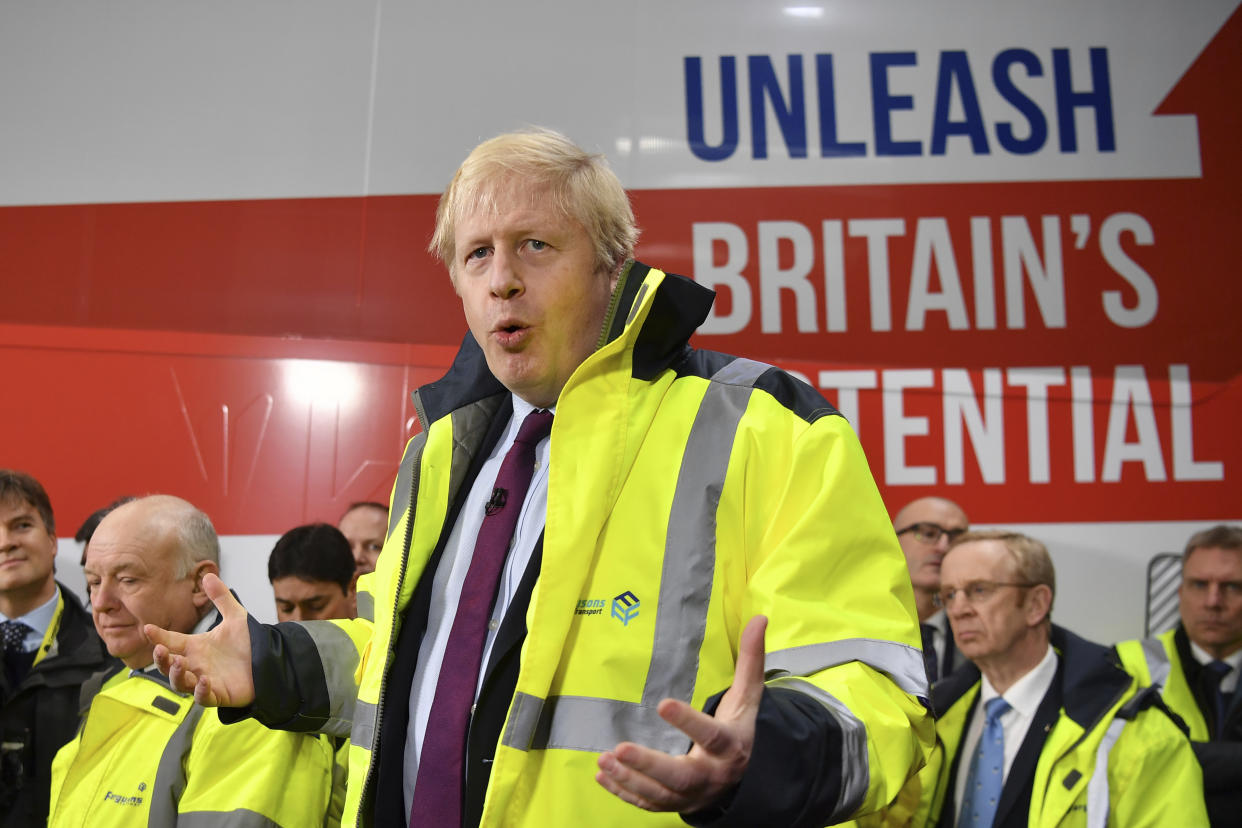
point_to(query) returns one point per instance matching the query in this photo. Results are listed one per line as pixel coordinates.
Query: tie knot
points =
(1218, 668)
(995, 708)
(13, 635)
(536, 426)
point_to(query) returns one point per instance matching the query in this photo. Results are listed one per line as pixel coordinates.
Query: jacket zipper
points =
(613, 302)
(1091, 727)
(379, 705)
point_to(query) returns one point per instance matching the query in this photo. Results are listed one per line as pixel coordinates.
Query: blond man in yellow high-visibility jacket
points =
(685, 496)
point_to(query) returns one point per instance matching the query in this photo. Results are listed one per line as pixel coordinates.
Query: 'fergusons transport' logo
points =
(625, 607)
(126, 800)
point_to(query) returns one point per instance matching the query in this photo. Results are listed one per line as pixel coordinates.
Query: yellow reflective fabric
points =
(148, 756)
(1175, 690)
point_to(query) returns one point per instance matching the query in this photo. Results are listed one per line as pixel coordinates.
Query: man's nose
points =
(101, 597)
(1215, 596)
(504, 279)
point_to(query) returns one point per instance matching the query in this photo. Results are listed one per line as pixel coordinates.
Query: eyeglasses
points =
(976, 592)
(929, 533)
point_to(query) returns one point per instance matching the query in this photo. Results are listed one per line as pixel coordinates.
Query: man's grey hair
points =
(196, 541)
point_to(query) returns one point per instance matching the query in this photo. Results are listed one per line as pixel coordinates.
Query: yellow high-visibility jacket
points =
(688, 492)
(146, 755)
(1167, 662)
(1112, 757)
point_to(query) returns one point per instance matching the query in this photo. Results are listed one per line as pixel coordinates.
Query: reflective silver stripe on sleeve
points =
(405, 474)
(1097, 788)
(901, 662)
(855, 770)
(689, 564)
(1157, 661)
(170, 772)
(339, 656)
(363, 731)
(366, 606)
(241, 818)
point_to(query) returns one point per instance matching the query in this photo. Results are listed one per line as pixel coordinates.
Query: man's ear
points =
(353, 585)
(201, 568)
(1038, 604)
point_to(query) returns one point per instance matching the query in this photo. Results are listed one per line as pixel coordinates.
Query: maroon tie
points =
(438, 787)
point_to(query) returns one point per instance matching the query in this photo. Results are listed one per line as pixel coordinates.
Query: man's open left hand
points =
(656, 781)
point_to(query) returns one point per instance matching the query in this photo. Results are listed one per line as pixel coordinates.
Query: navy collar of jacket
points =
(678, 308)
(1091, 677)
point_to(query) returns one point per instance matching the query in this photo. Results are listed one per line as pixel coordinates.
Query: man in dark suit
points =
(1043, 724)
(50, 648)
(925, 528)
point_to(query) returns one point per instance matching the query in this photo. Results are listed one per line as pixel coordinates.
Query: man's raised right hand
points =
(215, 665)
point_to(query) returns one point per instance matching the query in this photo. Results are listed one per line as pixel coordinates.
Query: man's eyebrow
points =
(125, 566)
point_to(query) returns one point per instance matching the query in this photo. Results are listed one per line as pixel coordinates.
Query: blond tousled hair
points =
(581, 185)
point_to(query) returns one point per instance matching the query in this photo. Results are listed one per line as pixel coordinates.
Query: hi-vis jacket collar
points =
(1091, 679)
(677, 307)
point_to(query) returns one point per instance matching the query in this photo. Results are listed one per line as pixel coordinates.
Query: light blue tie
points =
(987, 770)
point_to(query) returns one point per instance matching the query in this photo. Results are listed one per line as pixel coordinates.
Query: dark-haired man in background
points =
(312, 574)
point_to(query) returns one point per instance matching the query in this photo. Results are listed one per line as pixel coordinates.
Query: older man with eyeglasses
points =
(925, 528)
(1043, 728)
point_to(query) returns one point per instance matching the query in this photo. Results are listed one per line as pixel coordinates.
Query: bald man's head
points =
(925, 528)
(144, 566)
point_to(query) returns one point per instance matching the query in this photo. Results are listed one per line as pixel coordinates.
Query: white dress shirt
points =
(450, 576)
(1024, 698)
(38, 619)
(1229, 683)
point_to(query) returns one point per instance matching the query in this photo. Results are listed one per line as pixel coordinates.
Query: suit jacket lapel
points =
(1019, 782)
(513, 626)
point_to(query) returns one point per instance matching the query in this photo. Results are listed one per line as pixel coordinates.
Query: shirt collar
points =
(1234, 659)
(39, 618)
(1027, 692)
(521, 408)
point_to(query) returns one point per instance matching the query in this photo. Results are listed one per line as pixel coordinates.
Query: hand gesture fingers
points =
(720, 753)
(214, 666)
